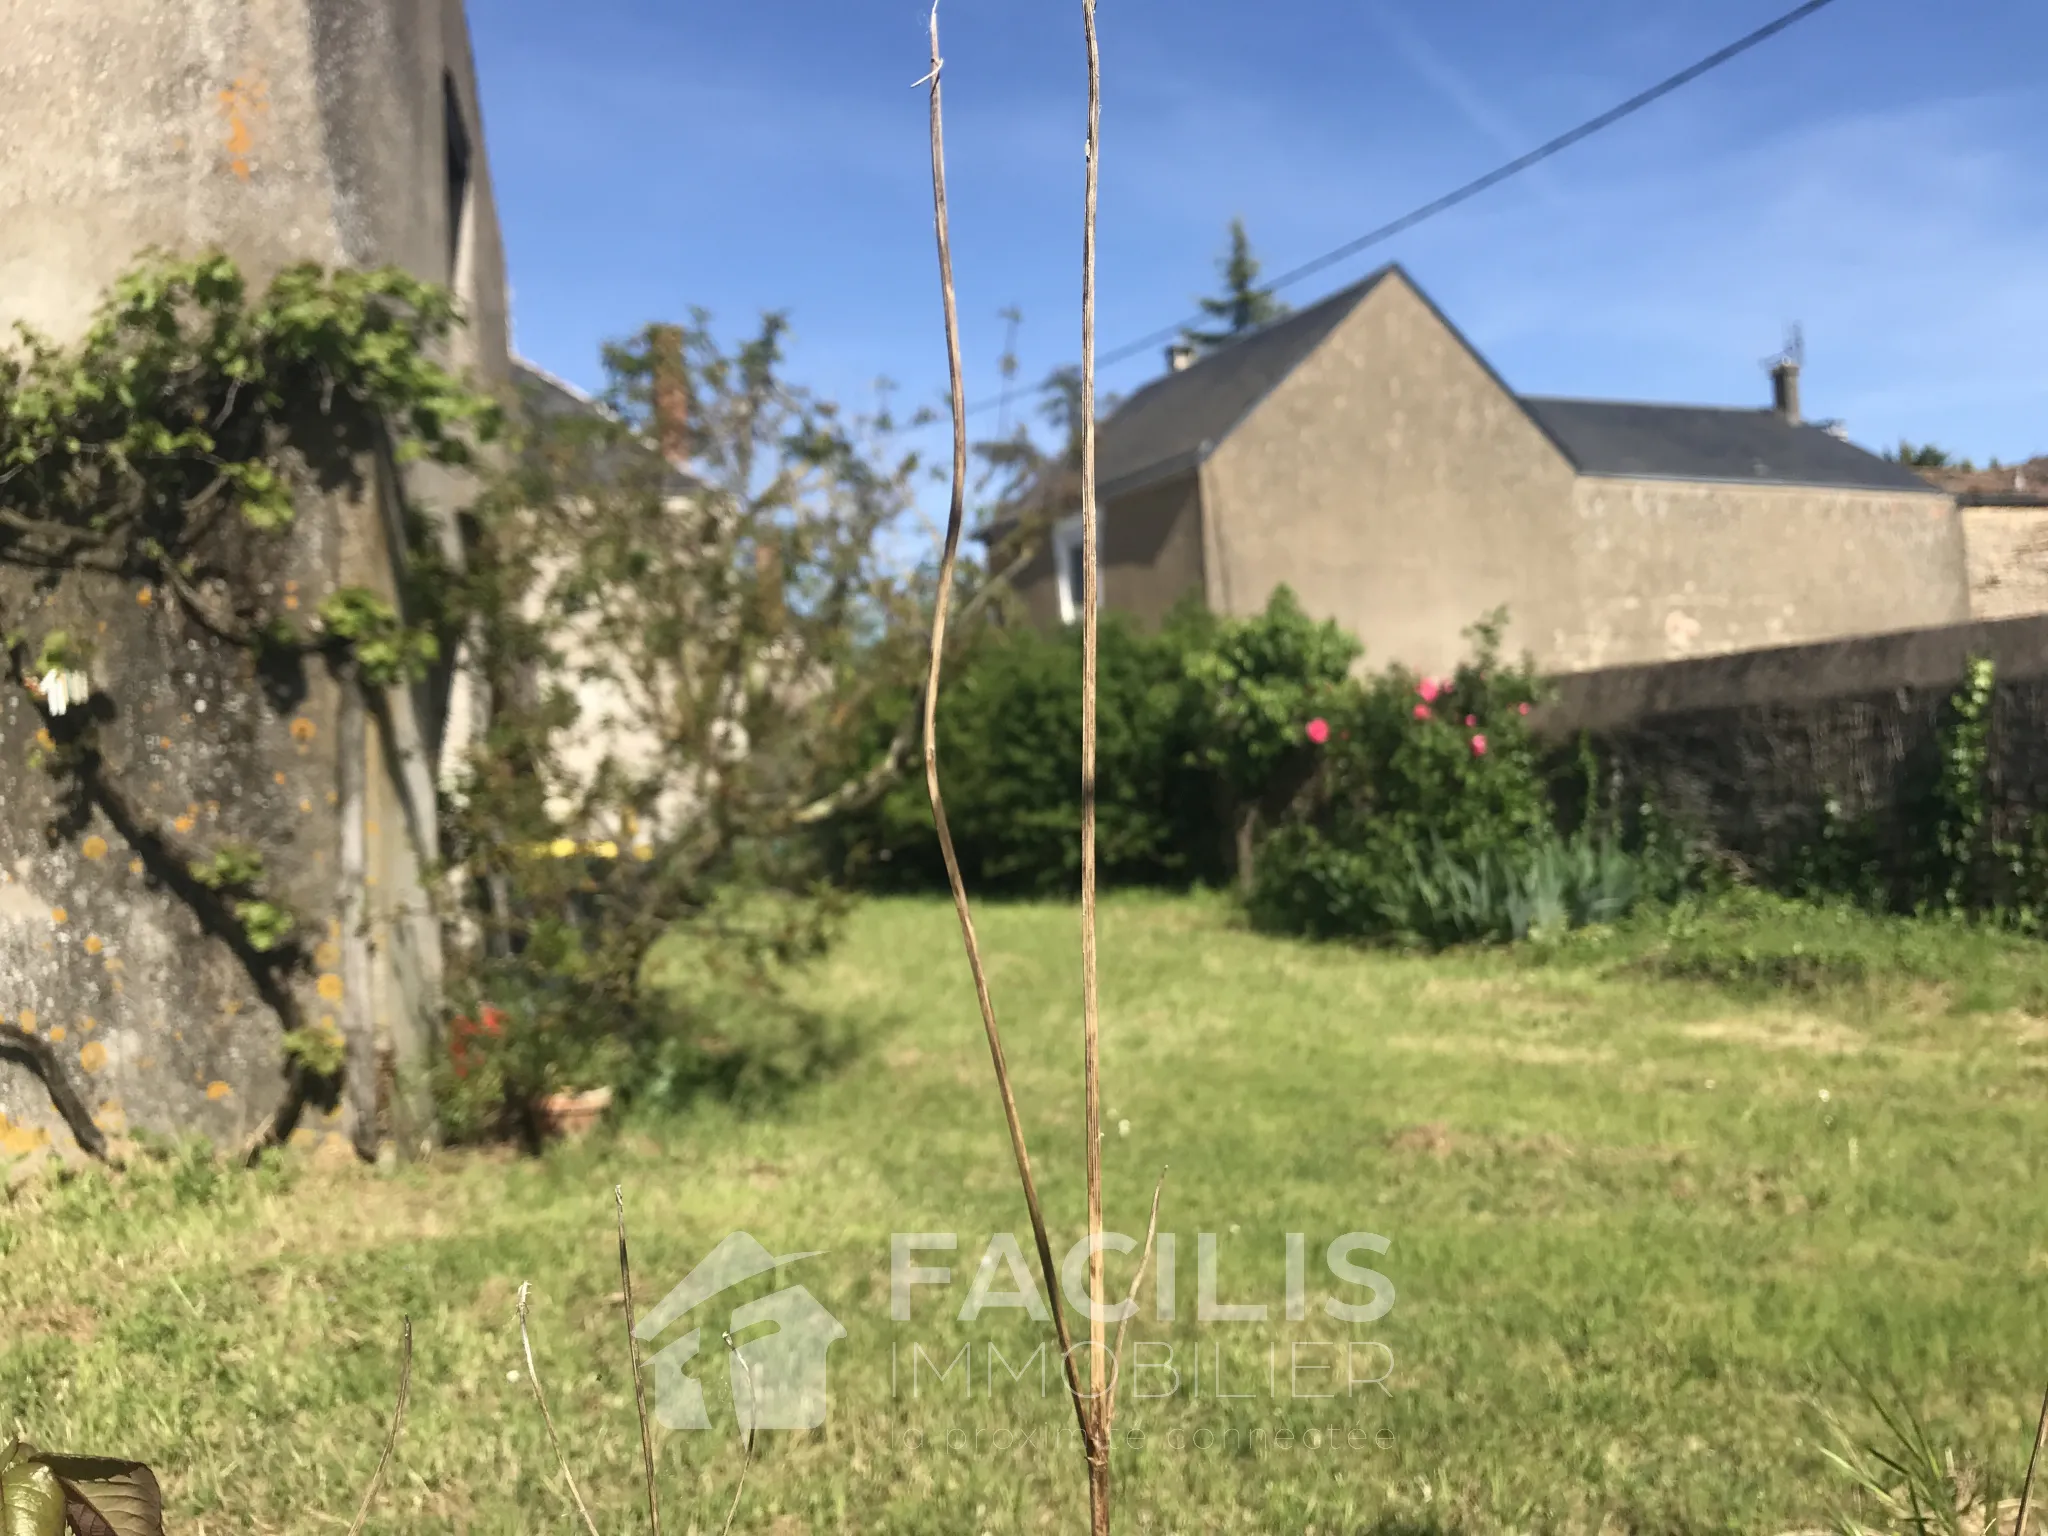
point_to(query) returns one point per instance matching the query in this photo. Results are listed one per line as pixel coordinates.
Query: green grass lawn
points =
(1638, 1192)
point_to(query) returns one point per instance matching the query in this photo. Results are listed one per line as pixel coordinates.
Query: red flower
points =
(1525, 709)
(1429, 690)
(1471, 719)
(1319, 731)
(1479, 746)
(1422, 711)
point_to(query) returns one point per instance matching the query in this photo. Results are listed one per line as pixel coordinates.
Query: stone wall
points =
(1746, 748)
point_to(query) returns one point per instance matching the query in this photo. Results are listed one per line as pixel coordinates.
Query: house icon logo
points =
(778, 1379)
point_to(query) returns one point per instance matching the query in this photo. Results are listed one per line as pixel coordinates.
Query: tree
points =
(1243, 305)
(1927, 456)
(682, 601)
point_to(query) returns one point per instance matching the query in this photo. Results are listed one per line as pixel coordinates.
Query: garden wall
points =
(1748, 748)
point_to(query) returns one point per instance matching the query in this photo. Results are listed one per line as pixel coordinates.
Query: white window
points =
(1066, 554)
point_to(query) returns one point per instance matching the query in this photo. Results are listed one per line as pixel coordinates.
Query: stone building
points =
(1364, 453)
(345, 132)
(2005, 531)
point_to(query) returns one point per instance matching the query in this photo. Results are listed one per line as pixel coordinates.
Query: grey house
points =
(1362, 452)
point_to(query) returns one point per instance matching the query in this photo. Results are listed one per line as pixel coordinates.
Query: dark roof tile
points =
(1695, 442)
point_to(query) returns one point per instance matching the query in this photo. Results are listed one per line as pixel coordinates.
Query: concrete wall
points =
(1151, 555)
(1673, 569)
(1399, 488)
(2007, 550)
(292, 130)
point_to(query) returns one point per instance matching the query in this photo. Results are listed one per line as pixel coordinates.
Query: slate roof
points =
(1698, 442)
(1174, 422)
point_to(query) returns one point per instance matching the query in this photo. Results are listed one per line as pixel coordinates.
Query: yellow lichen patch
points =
(642, 852)
(145, 597)
(57, 1034)
(43, 739)
(334, 927)
(135, 866)
(19, 1140)
(218, 1090)
(28, 1020)
(164, 742)
(93, 1057)
(94, 847)
(59, 915)
(291, 602)
(303, 729)
(94, 944)
(184, 823)
(327, 956)
(330, 987)
(305, 805)
(88, 1024)
(277, 778)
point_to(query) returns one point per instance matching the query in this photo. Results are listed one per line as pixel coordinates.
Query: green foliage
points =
(1010, 725)
(709, 557)
(317, 1049)
(1243, 305)
(192, 408)
(1906, 1482)
(235, 871)
(234, 866)
(1927, 456)
(1257, 682)
(388, 652)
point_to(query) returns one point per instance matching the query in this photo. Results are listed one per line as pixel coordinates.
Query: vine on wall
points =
(170, 446)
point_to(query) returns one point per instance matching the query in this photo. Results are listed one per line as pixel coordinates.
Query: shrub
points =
(1010, 718)
(1428, 818)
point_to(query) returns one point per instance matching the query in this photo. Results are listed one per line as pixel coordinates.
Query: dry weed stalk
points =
(391, 1438)
(1095, 1407)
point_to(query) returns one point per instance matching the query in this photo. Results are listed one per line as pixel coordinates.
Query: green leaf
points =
(31, 1503)
(104, 1496)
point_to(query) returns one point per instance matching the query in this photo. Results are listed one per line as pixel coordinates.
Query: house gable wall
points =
(1399, 488)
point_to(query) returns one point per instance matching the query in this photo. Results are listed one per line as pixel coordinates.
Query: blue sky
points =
(1874, 174)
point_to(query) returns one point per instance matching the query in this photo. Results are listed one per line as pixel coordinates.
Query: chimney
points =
(1179, 356)
(1785, 390)
(671, 393)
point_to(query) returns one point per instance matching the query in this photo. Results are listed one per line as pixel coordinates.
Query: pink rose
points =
(1429, 690)
(1471, 719)
(1422, 711)
(1525, 709)
(1479, 746)
(1319, 731)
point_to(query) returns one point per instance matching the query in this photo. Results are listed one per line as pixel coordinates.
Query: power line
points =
(1492, 178)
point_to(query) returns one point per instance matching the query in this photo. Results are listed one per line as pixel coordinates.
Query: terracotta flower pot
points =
(572, 1115)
